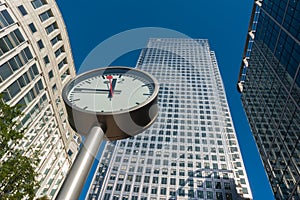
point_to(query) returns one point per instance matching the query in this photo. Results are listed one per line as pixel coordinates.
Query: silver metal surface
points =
(77, 175)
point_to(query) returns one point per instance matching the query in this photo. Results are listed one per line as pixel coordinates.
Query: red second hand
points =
(109, 77)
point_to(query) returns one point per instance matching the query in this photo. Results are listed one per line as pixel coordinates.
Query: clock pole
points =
(77, 175)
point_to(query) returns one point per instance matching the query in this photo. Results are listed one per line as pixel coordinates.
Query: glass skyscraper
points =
(191, 151)
(35, 63)
(269, 81)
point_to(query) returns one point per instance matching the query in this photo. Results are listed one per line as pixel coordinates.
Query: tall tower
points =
(35, 62)
(269, 81)
(191, 151)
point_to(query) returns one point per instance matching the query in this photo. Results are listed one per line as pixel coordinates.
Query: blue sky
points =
(223, 23)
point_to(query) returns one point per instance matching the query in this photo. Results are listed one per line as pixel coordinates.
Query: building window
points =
(10, 41)
(22, 10)
(227, 186)
(181, 192)
(28, 54)
(12, 65)
(59, 51)
(146, 179)
(191, 193)
(49, 29)
(145, 189)
(46, 60)
(40, 44)
(210, 195)
(181, 182)
(245, 190)
(136, 188)
(5, 19)
(127, 188)
(38, 3)
(62, 63)
(50, 75)
(55, 39)
(70, 153)
(218, 185)
(118, 187)
(208, 184)
(138, 178)
(54, 88)
(172, 193)
(163, 191)
(200, 194)
(154, 191)
(172, 181)
(129, 177)
(45, 15)
(65, 75)
(32, 27)
(106, 196)
(154, 179)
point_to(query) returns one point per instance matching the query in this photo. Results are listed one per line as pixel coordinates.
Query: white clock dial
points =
(111, 91)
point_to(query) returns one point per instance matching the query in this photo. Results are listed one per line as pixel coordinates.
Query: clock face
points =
(111, 90)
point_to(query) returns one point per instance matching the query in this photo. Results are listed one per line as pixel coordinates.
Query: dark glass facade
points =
(269, 81)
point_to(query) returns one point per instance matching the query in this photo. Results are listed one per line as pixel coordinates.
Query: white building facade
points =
(191, 151)
(35, 63)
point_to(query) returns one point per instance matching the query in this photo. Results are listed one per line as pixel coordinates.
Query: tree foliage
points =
(17, 175)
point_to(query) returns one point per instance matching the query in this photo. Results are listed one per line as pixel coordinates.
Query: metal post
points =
(77, 175)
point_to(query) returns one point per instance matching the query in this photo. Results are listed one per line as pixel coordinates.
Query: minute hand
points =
(91, 90)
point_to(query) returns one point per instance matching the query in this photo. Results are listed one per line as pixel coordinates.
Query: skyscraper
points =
(35, 63)
(191, 151)
(269, 81)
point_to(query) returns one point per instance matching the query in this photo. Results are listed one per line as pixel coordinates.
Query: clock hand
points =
(112, 85)
(94, 90)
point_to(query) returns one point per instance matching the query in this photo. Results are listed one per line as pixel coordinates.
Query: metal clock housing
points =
(123, 100)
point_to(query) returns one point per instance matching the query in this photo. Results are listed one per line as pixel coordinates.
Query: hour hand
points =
(112, 88)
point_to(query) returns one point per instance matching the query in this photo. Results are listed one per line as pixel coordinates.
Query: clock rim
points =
(147, 101)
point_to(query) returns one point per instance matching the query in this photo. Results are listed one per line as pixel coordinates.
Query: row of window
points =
(30, 116)
(36, 4)
(31, 95)
(15, 63)
(182, 164)
(173, 193)
(172, 181)
(11, 91)
(161, 135)
(174, 155)
(5, 19)
(170, 172)
(10, 41)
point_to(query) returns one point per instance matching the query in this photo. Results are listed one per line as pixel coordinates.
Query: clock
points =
(123, 100)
